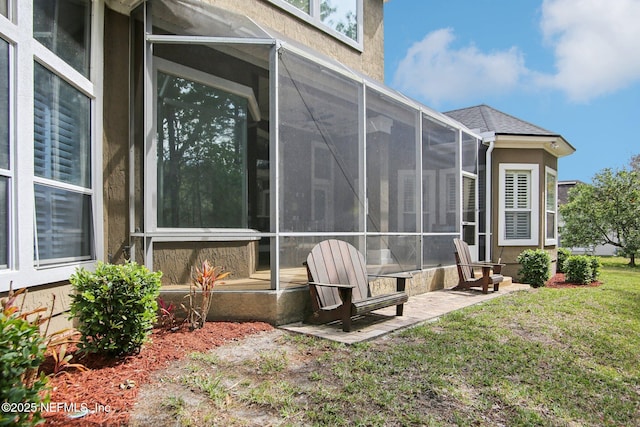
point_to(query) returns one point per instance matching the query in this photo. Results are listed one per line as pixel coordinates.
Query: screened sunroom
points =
(247, 149)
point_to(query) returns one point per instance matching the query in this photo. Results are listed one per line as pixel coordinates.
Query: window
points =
(5, 165)
(4, 224)
(322, 177)
(202, 149)
(62, 158)
(62, 151)
(518, 221)
(551, 202)
(63, 27)
(407, 199)
(469, 203)
(342, 18)
(50, 114)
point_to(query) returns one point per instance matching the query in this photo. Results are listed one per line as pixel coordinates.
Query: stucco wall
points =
(509, 254)
(53, 295)
(176, 260)
(369, 62)
(116, 136)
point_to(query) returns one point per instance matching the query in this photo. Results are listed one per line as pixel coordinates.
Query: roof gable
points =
(487, 119)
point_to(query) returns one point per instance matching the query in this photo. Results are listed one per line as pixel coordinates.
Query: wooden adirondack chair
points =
(467, 278)
(339, 285)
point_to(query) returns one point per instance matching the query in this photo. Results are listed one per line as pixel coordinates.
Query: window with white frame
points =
(5, 164)
(342, 18)
(551, 202)
(48, 164)
(406, 199)
(469, 208)
(518, 215)
(64, 27)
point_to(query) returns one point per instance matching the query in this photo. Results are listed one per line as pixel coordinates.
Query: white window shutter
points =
(518, 217)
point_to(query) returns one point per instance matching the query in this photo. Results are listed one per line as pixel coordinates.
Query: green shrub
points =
(22, 350)
(116, 307)
(578, 269)
(536, 267)
(595, 268)
(563, 254)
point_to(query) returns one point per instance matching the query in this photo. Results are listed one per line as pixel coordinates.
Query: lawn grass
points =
(556, 357)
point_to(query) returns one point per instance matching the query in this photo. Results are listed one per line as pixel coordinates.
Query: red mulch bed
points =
(100, 388)
(558, 281)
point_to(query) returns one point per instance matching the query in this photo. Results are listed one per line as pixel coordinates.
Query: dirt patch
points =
(108, 391)
(192, 391)
(558, 282)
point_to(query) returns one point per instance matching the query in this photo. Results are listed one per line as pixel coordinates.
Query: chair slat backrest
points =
(337, 262)
(464, 257)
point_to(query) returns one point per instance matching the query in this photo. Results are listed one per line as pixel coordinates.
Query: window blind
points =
(517, 205)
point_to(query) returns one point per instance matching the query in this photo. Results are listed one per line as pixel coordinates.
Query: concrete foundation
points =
(291, 305)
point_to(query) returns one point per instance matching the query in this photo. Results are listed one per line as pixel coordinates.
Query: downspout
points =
(488, 137)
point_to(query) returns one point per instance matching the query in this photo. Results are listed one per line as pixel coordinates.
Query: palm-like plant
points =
(203, 280)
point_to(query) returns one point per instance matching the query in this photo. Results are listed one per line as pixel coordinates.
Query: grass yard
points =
(556, 357)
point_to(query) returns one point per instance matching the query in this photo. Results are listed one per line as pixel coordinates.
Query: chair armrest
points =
(486, 267)
(483, 264)
(332, 285)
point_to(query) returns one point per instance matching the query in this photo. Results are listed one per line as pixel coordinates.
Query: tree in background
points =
(606, 211)
(635, 162)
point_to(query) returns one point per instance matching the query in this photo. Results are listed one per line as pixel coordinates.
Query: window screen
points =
(202, 173)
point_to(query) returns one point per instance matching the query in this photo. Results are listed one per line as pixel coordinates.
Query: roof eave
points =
(555, 145)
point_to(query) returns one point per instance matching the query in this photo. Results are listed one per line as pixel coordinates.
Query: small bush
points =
(595, 268)
(536, 267)
(22, 350)
(563, 254)
(578, 269)
(116, 307)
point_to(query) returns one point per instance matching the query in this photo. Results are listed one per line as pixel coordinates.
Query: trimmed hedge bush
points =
(116, 307)
(563, 254)
(582, 269)
(536, 267)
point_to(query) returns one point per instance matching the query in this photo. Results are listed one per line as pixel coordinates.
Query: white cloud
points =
(596, 44)
(433, 71)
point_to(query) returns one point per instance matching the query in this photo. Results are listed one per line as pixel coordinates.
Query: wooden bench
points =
(339, 285)
(467, 278)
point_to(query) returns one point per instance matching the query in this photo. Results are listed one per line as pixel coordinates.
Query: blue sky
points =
(569, 66)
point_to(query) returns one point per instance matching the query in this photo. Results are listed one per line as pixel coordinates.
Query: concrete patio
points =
(419, 309)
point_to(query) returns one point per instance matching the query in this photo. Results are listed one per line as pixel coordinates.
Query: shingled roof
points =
(483, 118)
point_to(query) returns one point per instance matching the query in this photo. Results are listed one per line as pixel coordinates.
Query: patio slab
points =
(419, 309)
